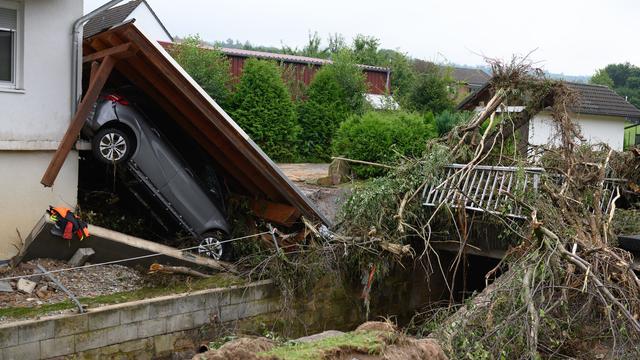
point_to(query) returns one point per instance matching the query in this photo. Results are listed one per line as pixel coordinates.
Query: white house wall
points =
(594, 128)
(34, 119)
(148, 23)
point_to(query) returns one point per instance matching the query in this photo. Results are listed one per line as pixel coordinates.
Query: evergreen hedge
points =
(263, 108)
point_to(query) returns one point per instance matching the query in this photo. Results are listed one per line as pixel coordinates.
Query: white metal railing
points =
(491, 188)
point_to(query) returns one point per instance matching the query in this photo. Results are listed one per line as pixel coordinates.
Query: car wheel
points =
(112, 146)
(212, 245)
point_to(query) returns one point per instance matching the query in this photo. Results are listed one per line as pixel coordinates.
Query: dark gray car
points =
(120, 134)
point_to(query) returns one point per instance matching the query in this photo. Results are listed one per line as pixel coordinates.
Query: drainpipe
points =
(388, 81)
(76, 53)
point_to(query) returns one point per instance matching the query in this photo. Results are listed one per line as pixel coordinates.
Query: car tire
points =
(112, 145)
(211, 244)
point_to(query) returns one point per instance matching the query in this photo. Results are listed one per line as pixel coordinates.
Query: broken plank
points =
(110, 245)
(278, 213)
(73, 131)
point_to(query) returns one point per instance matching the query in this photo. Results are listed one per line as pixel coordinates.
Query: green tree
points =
(430, 93)
(403, 74)
(208, 67)
(381, 137)
(365, 50)
(320, 115)
(601, 77)
(351, 80)
(263, 108)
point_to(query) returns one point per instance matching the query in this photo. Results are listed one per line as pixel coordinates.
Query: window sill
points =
(12, 90)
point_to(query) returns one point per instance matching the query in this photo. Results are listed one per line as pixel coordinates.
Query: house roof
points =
(154, 72)
(592, 99)
(115, 16)
(289, 58)
(470, 76)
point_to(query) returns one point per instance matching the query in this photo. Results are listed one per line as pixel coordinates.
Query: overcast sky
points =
(571, 37)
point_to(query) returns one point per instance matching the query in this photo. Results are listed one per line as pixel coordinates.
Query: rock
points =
(81, 256)
(26, 286)
(43, 292)
(5, 286)
(376, 326)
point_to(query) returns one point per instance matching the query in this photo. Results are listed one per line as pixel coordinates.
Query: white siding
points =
(148, 23)
(38, 117)
(595, 129)
(34, 120)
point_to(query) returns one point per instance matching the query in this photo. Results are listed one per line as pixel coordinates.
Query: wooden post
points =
(95, 86)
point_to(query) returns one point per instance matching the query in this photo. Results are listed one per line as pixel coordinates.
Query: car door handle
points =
(189, 172)
(155, 132)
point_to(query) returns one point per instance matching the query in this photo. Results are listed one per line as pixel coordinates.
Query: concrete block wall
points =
(143, 329)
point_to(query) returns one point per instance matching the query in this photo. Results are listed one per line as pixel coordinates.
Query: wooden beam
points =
(281, 214)
(95, 86)
(95, 66)
(117, 51)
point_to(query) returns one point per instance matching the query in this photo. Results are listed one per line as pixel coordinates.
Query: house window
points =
(8, 43)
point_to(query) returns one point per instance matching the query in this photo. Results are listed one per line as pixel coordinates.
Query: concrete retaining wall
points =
(142, 329)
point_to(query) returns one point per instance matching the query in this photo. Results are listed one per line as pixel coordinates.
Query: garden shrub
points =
(430, 93)
(208, 67)
(320, 115)
(448, 119)
(263, 108)
(381, 137)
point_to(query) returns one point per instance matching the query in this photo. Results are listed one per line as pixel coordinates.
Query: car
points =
(121, 134)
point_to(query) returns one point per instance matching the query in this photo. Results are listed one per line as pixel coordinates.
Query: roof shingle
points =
(592, 100)
(600, 100)
(109, 18)
(470, 76)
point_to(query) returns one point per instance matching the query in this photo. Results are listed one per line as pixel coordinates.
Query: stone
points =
(43, 292)
(58, 346)
(26, 286)
(5, 286)
(81, 256)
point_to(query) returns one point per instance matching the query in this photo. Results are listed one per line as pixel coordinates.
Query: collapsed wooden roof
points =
(153, 71)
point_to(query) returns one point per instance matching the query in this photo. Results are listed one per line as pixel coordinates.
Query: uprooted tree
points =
(562, 285)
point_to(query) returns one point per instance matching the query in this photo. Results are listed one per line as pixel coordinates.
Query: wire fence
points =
(112, 262)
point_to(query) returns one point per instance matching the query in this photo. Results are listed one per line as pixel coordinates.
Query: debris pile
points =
(90, 282)
(564, 285)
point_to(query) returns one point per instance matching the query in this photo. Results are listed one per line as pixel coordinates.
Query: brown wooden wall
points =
(376, 80)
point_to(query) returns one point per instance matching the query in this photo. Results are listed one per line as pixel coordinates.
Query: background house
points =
(35, 98)
(468, 80)
(139, 10)
(600, 113)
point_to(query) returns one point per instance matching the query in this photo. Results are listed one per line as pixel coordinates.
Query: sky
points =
(566, 36)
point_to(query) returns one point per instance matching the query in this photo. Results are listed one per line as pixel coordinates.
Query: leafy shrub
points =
(430, 93)
(208, 67)
(351, 80)
(263, 108)
(448, 119)
(337, 90)
(381, 137)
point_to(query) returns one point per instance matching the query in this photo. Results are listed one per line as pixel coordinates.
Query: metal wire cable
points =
(128, 259)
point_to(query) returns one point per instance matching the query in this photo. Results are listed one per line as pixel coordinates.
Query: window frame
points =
(17, 41)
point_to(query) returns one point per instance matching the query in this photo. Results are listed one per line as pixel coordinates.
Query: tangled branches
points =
(564, 287)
